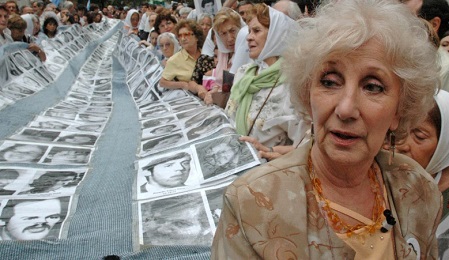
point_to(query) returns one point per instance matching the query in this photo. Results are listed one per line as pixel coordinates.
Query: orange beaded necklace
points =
(337, 224)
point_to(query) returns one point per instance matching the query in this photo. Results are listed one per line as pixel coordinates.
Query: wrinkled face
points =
(223, 154)
(166, 26)
(187, 38)
(135, 20)
(23, 153)
(11, 7)
(420, 144)
(256, 38)
(227, 32)
(3, 20)
(206, 24)
(445, 43)
(166, 47)
(34, 220)
(172, 173)
(354, 100)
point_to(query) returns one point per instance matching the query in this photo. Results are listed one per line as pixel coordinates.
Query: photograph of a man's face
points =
(33, 219)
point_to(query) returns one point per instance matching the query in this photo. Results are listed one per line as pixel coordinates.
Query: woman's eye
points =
(374, 88)
(420, 136)
(327, 83)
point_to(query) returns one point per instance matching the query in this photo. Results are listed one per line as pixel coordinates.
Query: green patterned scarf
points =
(242, 92)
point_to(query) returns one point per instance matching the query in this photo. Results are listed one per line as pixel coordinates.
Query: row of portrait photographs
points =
(88, 117)
(166, 173)
(97, 108)
(187, 219)
(50, 123)
(29, 182)
(57, 137)
(160, 130)
(223, 156)
(30, 152)
(34, 219)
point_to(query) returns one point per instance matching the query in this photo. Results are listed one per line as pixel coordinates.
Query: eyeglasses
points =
(185, 35)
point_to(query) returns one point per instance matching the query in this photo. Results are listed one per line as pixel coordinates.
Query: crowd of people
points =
(333, 95)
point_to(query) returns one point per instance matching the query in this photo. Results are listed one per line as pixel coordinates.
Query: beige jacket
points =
(271, 213)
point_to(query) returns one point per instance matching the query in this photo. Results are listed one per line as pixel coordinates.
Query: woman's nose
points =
(347, 107)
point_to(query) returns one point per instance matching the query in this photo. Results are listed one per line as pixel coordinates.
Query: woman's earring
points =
(392, 146)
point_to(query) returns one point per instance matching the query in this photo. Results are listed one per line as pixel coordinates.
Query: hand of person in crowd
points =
(197, 89)
(268, 153)
(34, 48)
(144, 42)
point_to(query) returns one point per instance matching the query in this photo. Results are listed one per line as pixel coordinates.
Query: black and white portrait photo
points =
(157, 122)
(12, 152)
(224, 155)
(77, 138)
(68, 155)
(215, 201)
(159, 130)
(49, 123)
(7, 177)
(166, 172)
(208, 127)
(54, 181)
(29, 134)
(161, 143)
(180, 220)
(33, 219)
(207, 6)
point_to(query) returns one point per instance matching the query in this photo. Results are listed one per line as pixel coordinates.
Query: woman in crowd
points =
(226, 26)
(165, 22)
(132, 22)
(355, 71)
(17, 25)
(179, 67)
(428, 145)
(50, 27)
(259, 103)
(169, 45)
(205, 21)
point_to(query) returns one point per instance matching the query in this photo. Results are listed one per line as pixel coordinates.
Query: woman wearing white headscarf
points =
(428, 144)
(132, 22)
(169, 45)
(259, 103)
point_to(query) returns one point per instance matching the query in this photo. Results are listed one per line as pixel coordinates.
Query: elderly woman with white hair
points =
(169, 45)
(363, 71)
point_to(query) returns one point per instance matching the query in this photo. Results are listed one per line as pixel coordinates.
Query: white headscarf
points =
(30, 25)
(128, 18)
(172, 37)
(280, 25)
(440, 159)
(221, 46)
